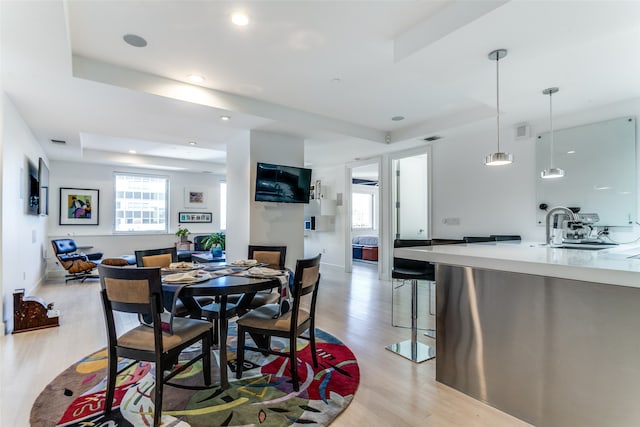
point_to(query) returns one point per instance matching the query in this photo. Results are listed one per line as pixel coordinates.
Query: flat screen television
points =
(284, 184)
(34, 193)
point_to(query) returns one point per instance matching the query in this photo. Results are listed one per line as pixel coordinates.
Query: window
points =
(141, 203)
(223, 206)
(362, 210)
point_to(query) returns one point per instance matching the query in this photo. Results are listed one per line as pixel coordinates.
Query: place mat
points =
(194, 276)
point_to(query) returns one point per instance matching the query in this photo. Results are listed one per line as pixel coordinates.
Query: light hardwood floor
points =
(356, 308)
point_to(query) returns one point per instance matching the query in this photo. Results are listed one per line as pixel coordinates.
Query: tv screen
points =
(34, 192)
(285, 184)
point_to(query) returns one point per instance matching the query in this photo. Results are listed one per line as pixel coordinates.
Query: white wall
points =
(101, 237)
(277, 223)
(501, 200)
(24, 236)
(331, 244)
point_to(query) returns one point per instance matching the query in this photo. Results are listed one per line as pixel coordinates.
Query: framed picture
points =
(78, 206)
(195, 197)
(194, 216)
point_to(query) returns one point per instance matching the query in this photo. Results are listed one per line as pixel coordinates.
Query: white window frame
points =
(142, 202)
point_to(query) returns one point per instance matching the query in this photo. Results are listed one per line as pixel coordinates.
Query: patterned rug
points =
(264, 396)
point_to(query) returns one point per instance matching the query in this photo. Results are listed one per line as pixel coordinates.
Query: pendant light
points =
(551, 172)
(498, 158)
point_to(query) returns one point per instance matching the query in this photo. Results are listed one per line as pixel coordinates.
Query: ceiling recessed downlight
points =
(193, 143)
(132, 151)
(225, 118)
(134, 40)
(196, 78)
(240, 19)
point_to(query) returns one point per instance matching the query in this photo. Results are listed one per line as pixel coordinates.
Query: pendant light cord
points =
(551, 130)
(498, 98)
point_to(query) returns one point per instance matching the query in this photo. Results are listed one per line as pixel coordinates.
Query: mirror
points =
(599, 161)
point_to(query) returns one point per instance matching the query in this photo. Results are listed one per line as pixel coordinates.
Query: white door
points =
(410, 197)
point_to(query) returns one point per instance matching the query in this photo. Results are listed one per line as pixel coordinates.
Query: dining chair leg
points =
(206, 359)
(293, 356)
(240, 353)
(222, 348)
(111, 380)
(312, 343)
(157, 403)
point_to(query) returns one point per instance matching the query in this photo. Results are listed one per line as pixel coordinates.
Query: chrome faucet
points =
(550, 214)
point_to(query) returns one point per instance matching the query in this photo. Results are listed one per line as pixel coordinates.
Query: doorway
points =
(363, 215)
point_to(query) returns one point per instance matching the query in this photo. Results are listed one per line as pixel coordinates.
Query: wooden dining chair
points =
(291, 325)
(138, 290)
(156, 257)
(275, 257)
(163, 258)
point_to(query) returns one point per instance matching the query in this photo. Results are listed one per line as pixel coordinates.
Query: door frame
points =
(348, 258)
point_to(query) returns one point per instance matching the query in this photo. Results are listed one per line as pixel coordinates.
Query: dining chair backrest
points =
(156, 257)
(273, 256)
(305, 282)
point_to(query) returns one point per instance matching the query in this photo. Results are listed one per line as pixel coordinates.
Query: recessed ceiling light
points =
(336, 80)
(196, 78)
(134, 40)
(132, 151)
(240, 19)
(193, 143)
(397, 118)
(571, 152)
(225, 118)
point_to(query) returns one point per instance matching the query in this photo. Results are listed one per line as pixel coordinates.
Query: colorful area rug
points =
(264, 396)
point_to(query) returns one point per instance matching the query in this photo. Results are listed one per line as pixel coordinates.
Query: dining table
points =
(221, 287)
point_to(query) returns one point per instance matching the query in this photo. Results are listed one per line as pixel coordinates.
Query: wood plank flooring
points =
(356, 308)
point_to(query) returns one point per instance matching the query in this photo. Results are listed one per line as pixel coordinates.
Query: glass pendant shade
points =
(552, 173)
(498, 158)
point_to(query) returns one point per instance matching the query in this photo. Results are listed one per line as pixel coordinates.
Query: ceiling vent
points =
(58, 141)
(432, 138)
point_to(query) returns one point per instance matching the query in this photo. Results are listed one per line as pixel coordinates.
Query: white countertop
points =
(610, 266)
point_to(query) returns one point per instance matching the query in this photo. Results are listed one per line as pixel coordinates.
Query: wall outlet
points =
(451, 221)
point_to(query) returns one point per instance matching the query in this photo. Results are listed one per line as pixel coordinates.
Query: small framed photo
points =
(78, 206)
(194, 217)
(195, 197)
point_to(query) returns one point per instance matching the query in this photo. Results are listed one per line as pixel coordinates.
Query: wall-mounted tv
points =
(284, 184)
(34, 193)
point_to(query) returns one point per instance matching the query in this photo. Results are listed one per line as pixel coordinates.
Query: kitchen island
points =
(548, 335)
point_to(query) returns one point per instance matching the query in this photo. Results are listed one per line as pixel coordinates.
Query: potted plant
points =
(183, 234)
(215, 242)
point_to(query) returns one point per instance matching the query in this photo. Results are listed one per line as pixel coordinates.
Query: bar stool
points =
(412, 270)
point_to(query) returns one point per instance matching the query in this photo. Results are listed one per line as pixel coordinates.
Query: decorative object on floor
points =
(263, 397)
(78, 206)
(31, 313)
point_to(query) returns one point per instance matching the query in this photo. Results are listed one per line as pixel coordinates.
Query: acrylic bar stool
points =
(405, 269)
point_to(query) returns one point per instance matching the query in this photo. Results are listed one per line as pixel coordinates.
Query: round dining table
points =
(222, 287)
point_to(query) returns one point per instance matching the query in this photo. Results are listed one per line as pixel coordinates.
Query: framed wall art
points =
(78, 206)
(194, 217)
(195, 197)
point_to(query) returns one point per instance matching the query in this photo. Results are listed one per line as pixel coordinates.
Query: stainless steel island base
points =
(550, 351)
